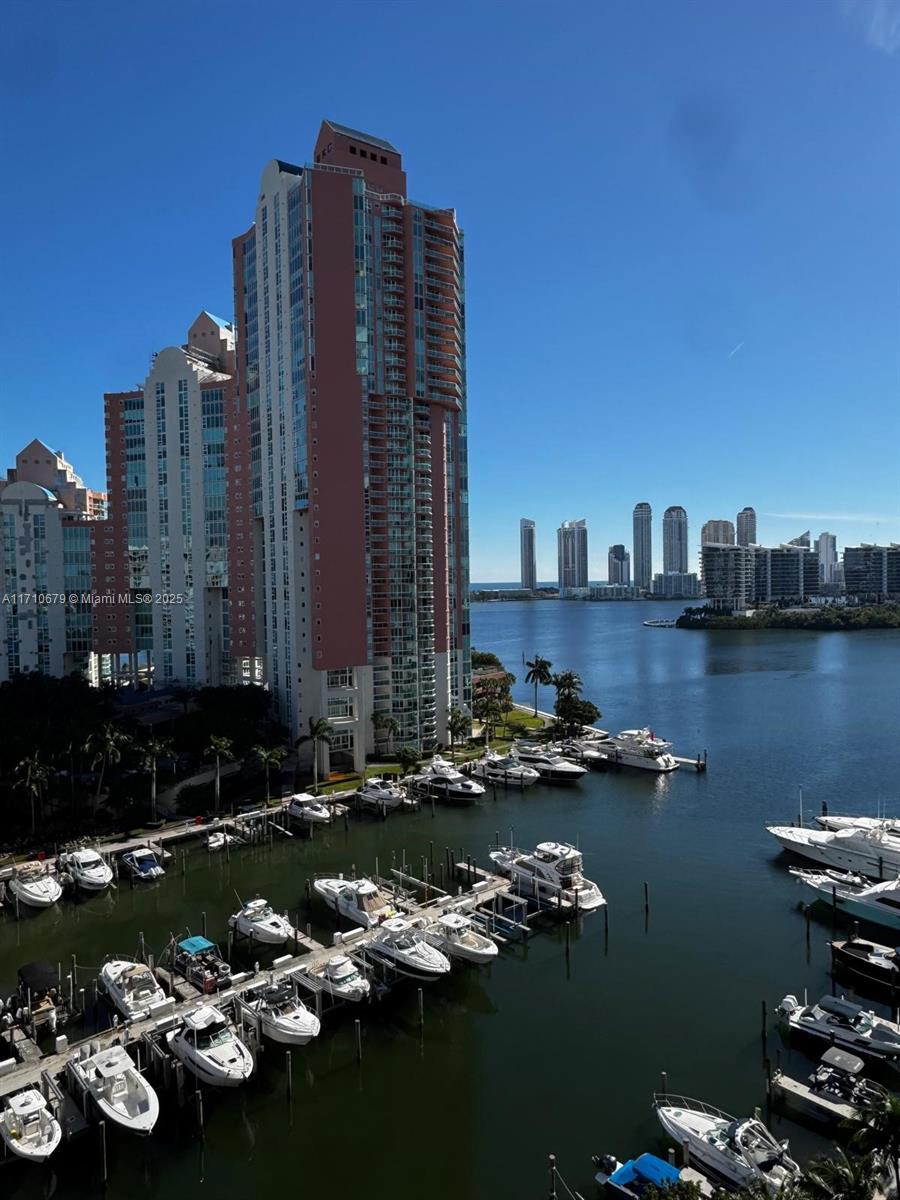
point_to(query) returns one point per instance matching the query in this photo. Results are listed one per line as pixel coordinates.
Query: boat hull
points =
(836, 854)
(208, 1072)
(35, 898)
(875, 914)
(287, 1033)
(27, 1151)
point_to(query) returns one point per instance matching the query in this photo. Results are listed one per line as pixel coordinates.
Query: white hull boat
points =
(442, 780)
(304, 807)
(505, 769)
(283, 1017)
(130, 987)
(550, 873)
(219, 841)
(552, 768)
(876, 902)
(846, 1025)
(89, 871)
(639, 748)
(402, 947)
(259, 921)
(208, 1047)
(870, 852)
(27, 1126)
(142, 864)
(381, 794)
(341, 977)
(456, 936)
(119, 1091)
(888, 824)
(359, 900)
(32, 884)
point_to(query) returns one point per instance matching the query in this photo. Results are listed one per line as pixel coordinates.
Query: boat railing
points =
(670, 1100)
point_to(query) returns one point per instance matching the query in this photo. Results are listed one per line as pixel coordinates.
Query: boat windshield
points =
(370, 902)
(212, 1036)
(260, 914)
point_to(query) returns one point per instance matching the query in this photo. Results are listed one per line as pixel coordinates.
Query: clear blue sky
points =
(682, 232)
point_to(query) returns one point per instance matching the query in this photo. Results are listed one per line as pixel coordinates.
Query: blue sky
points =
(682, 233)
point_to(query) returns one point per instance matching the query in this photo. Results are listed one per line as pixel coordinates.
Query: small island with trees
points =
(826, 617)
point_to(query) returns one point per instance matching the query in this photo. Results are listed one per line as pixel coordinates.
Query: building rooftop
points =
(218, 320)
(358, 136)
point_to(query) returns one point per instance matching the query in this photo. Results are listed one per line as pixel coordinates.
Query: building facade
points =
(618, 565)
(642, 533)
(675, 540)
(676, 585)
(826, 548)
(728, 576)
(746, 527)
(872, 572)
(735, 577)
(572, 555)
(717, 533)
(527, 554)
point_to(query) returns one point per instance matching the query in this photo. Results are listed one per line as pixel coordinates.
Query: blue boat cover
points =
(644, 1170)
(196, 945)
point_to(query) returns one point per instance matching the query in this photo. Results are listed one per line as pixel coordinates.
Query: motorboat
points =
(876, 902)
(142, 864)
(130, 987)
(579, 751)
(209, 1047)
(639, 748)
(872, 852)
(738, 1150)
(33, 884)
(304, 807)
(381, 794)
(868, 961)
(119, 1091)
(835, 1094)
(283, 1016)
(632, 1179)
(218, 840)
(198, 960)
(551, 873)
(456, 936)
(444, 781)
(27, 1126)
(88, 869)
(402, 946)
(259, 921)
(888, 824)
(359, 900)
(504, 768)
(845, 1025)
(341, 978)
(551, 767)
(40, 1000)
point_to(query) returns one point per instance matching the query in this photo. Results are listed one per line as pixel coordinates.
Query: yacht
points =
(835, 1094)
(456, 936)
(118, 1089)
(551, 767)
(198, 960)
(381, 794)
(32, 884)
(359, 900)
(142, 864)
(208, 1046)
(259, 921)
(585, 752)
(888, 824)
(845, 1025)
(219, 840)
(740, 1151)
(872, 852)
(442, 780)
(130, 987)
(305, 807)
(27, 1126)
(341, 978)
(876, 902)
(283, 1017)
(402, 946)
(497, 768)
(868, 961)
(89, 871)
(550, 872)
(639, 748)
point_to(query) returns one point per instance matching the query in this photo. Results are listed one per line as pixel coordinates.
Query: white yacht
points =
(130, 987)
(551, 871)
(639, 748)
(27, 1126)
(506, 768)
(89, 871)
(209, 1047)
(740, 1151)
(456, 936)
(142, 864)
(218, 840)
(341, 978)
(32, 884)
(359, 900)
(283, 1016)
(403, 947)
(380, 793)
(888, 824)
(118, 1089)
(259, 921)
(582, 751)
(878, 902)
(305, 807)
(551, 767)
(444, 781)
(872, 852)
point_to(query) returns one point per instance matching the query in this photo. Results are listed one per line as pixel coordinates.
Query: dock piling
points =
(664, 1080)
(553, 1192)
(203, 923)
(198, 1097)
(764, 1022)
(421, 1009)
(104, 1173)
(289, 1073)
(358, 1025)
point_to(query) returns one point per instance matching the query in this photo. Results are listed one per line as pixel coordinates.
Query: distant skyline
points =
(682, 246)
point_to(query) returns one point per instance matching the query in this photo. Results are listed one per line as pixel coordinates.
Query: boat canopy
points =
(644, 1170)
(196, 945)
(111, 1062)
(38, 976)
(842, 1061)
(839, 1008)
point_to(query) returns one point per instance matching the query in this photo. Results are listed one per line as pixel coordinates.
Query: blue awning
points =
(196, 945)
(647, 1169)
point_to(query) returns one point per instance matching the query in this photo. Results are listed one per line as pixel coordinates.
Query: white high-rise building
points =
(527, 556)
(642, 529)
(717, 533)
(826, 548)
(572, 553)
(675, 540)
(746, 527)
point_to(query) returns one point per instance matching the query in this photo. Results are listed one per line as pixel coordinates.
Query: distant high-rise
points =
(826, 548)
(746, 527)
(618, 565)
(642, 521)
(717, 533)
(802, 540)
(675, 540)
(872, 571)
(527, 555)
(571, 542)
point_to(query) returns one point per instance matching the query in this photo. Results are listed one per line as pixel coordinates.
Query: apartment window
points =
(341, 678)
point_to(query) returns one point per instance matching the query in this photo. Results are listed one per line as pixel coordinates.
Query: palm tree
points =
(219, 748)
(151, 751)
(881, 1131)
(539, 675)
(842, 1178)
(319, 731)
(458, 726)
(378, 720)
(268, 757)
(567, 684)
(106, 744)
(33, 777)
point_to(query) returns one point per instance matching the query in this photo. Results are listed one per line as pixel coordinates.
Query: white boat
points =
(579, 751)
(878, 902)
(551, 767)
(130, 987)
(258, 920)
(497, 768)
(380, 793)
(403, 947)
(283, 1017)
(305, 807)
(359, 900)
(28, 1127)
(872, 852)
(836, 1093)
(198, 960)
(842, 1023)
(209, 1047)
(218, 840)
(32, 884)
(444, 781)
(89, 871)
(740, 1151)
(888, 824)
(118, 1089)
(341, 978)
(552, 871)
(639, 748)
(142, 864)
(456, 936)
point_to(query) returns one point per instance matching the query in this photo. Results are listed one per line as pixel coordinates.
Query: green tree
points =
(219, 748)
(539, 675)
(484, 658)
(881, 1133)
(567, 683)
(458, 726)
(151, 752)
(573, 713)
(268, 757)
(388, 726)
(107, 745)
(408, 757)
(32, 777)
(842, 1177)
(320, 733)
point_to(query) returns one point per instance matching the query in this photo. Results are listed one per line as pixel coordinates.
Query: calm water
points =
(546, 1051)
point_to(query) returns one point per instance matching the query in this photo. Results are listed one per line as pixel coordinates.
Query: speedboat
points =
(639, 748)
(399, 944)
(209, 1047)
(282, 1015)
(877, 902)
(740, 1151)
(455, 935)
(872, 852)
(142, 864)
(130, 987)
(381, 794)
(218, 840)
(258, 920)
(496, 768)
(27, 1126)
(359, 900)
(836, 1093)
(118, 1089)
(631, 1180)
(580, 751)
(198, 960)
(305, 807)
(341, 978)
(879, 965)
(40, 997)
(443, 781)
(846, 1025)
(89, 871)
(32, 884)
(888, 824)
(549, 873)
(552, 768)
